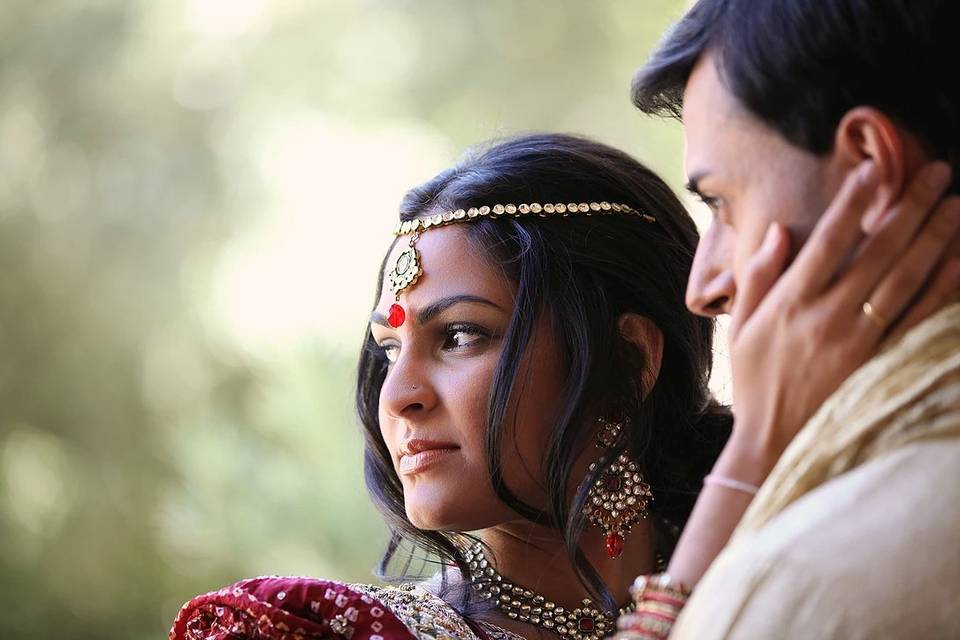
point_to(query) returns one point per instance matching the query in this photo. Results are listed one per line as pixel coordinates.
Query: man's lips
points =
(416, 454)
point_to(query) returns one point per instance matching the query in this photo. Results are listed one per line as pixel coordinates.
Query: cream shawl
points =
(857, 529)
(910, 392)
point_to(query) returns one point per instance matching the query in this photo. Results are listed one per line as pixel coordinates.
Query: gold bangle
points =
(659, 600)
(633, 634)
(659, 583)
(649, 626)
(658, 608)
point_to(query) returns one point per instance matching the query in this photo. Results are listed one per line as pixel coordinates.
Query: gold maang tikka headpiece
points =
(407, 269)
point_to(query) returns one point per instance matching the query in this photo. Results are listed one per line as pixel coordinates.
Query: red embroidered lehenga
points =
(286, 608)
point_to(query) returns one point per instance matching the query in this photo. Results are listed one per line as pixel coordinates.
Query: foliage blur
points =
(194, 199)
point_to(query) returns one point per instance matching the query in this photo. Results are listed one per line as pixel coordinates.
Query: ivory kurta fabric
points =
(856, 532)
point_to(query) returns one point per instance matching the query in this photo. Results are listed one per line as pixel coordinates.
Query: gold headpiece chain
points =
(516, 211)
(407, 268)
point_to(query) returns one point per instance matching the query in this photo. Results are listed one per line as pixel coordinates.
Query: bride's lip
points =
(417, 455)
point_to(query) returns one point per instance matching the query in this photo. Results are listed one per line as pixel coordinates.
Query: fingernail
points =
(937, 175)
(868, 171)
(770, 239)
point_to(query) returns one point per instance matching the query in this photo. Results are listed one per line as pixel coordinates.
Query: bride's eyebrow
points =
(437, 307)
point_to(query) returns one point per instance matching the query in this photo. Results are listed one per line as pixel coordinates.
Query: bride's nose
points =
(407, 389)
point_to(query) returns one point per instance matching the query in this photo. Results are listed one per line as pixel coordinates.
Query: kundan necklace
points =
(587, 622)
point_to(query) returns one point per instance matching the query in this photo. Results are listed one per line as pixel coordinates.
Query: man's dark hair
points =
(800, 65)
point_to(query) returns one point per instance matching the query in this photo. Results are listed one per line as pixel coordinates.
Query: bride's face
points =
(433, 404)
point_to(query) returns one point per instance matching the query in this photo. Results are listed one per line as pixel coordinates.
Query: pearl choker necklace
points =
(587, 622)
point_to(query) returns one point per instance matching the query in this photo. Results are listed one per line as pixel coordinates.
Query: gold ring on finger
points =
(875, 316)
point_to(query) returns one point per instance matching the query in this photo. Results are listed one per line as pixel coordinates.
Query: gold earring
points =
(618, 498)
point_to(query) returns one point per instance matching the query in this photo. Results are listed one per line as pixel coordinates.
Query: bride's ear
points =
(647, 337)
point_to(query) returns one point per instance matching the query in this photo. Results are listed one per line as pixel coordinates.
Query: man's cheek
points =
(745, 251)
(799, 233)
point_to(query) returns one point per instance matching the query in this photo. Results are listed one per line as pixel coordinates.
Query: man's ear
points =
(647, 337)
(865, 133)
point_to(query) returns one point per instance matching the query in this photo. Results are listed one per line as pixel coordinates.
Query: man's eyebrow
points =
(437, 307)
(693, 183)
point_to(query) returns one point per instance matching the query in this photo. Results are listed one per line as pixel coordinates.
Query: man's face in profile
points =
(749, 176)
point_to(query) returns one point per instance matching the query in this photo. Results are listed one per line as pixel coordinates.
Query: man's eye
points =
(712, 202)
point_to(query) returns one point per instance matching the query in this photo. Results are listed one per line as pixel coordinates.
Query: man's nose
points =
(711, 286)
(711, 294)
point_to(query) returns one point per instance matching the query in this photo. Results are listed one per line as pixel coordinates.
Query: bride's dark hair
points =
(584, 271)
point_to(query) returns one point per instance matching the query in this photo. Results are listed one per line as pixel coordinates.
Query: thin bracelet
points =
(731, 483)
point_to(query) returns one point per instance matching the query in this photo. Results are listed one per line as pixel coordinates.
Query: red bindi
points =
(396, 316)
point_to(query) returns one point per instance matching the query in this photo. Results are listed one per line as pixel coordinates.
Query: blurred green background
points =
(194, 200)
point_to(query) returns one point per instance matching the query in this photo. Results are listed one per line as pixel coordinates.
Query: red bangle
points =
(659, 601)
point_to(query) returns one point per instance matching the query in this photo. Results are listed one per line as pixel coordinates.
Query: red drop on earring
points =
(614, 544)
(397, 315)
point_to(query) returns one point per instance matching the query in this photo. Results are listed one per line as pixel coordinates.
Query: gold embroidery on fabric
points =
(427, 616)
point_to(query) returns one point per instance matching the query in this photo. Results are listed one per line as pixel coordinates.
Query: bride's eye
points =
(458, 337)
(391, 351)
